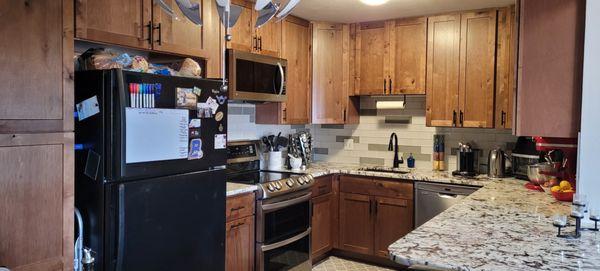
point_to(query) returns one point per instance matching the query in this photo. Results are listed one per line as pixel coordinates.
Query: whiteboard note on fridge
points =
(154, 134)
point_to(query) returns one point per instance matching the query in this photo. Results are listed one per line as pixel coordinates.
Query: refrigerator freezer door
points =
(170, 223)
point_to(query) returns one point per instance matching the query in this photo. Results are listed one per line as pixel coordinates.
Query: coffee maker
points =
(467, 161)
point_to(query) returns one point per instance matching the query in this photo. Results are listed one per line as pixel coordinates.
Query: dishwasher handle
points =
(447, 195)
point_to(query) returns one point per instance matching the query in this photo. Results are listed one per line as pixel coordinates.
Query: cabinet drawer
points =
(393, 189)
(356, 184)
(239, 206)
(322, 186)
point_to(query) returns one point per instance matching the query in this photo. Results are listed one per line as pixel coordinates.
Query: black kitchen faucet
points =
(394, 147)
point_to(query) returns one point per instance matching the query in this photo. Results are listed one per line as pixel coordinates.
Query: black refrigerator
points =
(149, 166)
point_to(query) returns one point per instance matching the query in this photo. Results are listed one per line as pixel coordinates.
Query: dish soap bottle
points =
(410, 161)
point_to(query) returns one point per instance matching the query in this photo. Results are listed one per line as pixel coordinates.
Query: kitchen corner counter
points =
(237, 188)
(502, 226)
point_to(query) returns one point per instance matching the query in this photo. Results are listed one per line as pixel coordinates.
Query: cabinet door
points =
(242, 34)
(356, 223)
(180, 35)
(551, 39)
(269, 38)
(122, 22)
(296, 49)
(443, 44)
(239, 244)
(393, 220)
(408, 53)
(36, 201)
(505, 67)
(322, 218)
(329, 90)
(371, 78)
(36, 66)
(477, 59)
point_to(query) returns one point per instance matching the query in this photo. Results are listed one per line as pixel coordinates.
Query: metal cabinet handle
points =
(454, 118)
(461, 118)
(236, 208)
(384, 85)
(149, 26)
(344, 115)
(255, 43)
(159, 28)
(390, 80)
(285, 114)
(503, 118)
(237, 225)
(260, 43)
(375, 206)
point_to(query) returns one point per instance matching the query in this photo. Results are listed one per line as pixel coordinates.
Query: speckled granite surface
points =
(502, 226)
(238, 188)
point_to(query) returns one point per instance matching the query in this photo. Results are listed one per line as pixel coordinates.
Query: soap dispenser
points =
(410, 161)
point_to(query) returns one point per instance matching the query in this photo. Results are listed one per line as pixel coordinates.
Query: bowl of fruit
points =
(563, 192)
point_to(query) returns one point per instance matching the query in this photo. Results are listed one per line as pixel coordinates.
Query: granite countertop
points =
(502, 226)
(238, 188)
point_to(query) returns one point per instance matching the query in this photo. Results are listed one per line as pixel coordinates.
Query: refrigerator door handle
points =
(121, 229)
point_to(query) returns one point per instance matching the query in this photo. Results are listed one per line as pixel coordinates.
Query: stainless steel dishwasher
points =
(433, 198)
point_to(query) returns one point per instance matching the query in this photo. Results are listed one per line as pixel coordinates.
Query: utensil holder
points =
(275, 160)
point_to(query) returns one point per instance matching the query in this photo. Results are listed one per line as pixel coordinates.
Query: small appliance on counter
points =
(523, 155)
(497, 167)
(467, 161)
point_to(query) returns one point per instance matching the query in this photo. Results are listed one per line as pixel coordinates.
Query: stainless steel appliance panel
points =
(431, 199)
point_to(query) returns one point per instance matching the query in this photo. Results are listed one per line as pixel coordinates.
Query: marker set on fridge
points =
(143, 95)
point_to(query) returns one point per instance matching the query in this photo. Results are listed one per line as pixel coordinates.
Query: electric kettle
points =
(497, 163)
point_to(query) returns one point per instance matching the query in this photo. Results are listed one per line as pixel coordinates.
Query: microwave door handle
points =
(281, 87)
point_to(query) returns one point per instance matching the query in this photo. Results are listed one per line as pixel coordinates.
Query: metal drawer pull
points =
(236, 208)
(237, 225)
(285, 242)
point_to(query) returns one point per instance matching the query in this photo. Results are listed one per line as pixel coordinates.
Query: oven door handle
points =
(283, 204)
(286, 242)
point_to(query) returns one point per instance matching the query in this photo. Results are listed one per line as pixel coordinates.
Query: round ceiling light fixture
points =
(374, 2)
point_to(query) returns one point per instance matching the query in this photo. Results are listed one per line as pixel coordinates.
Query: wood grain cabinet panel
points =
(393, 220)
(371, 47)
(550, 68)
(239, 244)
(356, 223)
(269, 38)
(322, 225)
(36, 66)
(443, 48)
(407, 55)
(477, 60)
(506, 54)
(242, 33)
(36, 201)
(177, 36)
(122, 22)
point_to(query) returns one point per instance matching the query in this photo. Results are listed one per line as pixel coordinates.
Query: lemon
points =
(555, 188)
(568, 191)
(565, 185)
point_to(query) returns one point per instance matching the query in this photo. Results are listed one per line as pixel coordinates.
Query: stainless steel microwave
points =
(254, 77)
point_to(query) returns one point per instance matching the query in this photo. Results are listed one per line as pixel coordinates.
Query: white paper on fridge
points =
(154, 134)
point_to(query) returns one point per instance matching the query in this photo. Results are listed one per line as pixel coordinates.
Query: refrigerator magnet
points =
(194, 132)
(87, 108)
(195, 149)
(220, 141)
(204, 111)
(197, 91)
(213, 104)
(221, 128)
(186, 98)
(221, 99)
(194, 123)
(219, 116)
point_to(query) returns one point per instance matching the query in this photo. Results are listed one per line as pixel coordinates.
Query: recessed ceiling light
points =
(374, 2)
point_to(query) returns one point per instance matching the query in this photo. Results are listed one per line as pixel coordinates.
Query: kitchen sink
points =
(385, 170)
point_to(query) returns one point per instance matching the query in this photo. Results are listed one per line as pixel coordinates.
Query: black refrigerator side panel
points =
(169, 223)
(92, 156)
(211, 127)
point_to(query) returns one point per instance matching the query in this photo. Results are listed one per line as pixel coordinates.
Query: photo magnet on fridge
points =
(194, 132)
(220, 141)
(195, 149)
(204, 111)
(185, 98)
(213, 104)
(197, 91)
(219, 116)
(194, 123)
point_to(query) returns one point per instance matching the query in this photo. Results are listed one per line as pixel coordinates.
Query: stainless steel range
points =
(283, 209)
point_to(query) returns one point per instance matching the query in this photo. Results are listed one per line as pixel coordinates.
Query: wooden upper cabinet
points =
(550, 68)
(269, 38)
(242, 33)
(407, 55)
(477, 60)
(36, 188)
(330, 73)
(371, 71)
(506, 54)
(356, 223)
(36, 67)
(177, 36)
(296, 46)
(393, 220)
(121, 22)
(443, 45)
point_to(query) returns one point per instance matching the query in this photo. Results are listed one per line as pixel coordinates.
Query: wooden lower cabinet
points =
(239, 244)
(393, 219)
(36, 201)
(322, 222)
(356, 223)
(240, 233)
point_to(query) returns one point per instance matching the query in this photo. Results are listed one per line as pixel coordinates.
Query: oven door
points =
(283, 232)
(256, 77)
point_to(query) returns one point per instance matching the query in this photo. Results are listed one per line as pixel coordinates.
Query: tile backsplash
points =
(370, 138)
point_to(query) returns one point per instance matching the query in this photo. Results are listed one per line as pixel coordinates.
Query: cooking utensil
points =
(267, 143)
(535, 172)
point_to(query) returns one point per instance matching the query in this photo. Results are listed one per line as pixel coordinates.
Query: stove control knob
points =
(278, 185)
(308, 179)
(289, 183)
(271, 187)
(300, 181)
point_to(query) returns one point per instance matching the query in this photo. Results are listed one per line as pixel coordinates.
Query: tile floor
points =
(339, 264)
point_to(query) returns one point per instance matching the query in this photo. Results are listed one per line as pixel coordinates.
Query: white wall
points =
(588, 180)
